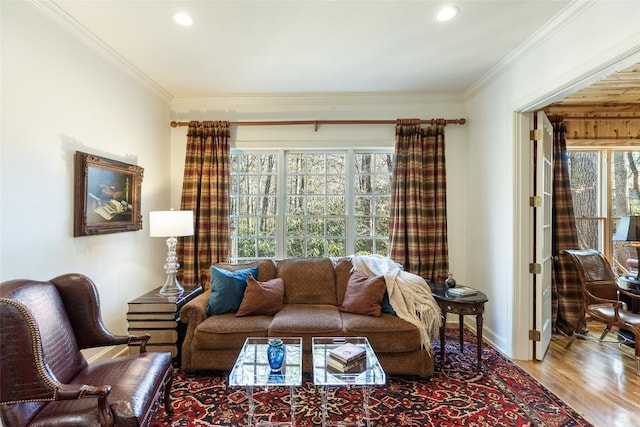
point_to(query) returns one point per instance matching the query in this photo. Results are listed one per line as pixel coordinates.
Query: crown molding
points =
(313, 99)
(559, 21)
(59, 16)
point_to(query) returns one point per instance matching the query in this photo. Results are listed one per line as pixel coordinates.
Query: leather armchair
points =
(600, 296)
(44, 378)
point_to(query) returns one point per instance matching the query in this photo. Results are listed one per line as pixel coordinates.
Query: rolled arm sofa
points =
(314, 290)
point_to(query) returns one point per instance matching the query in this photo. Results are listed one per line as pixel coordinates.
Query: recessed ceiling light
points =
(447, 13)
(183, 19)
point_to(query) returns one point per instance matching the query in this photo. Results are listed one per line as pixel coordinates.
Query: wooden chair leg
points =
(168, 407)
(605, 332)
(576, 332)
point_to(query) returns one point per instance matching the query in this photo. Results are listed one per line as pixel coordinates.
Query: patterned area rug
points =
(502, 394)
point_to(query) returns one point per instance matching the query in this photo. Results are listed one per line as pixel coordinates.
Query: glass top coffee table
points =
(370, 375)
(252, 370)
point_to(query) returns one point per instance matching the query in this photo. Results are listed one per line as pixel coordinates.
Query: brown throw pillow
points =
(261, 297)
(364, 294)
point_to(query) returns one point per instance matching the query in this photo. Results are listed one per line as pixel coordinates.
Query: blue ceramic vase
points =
(275, 354)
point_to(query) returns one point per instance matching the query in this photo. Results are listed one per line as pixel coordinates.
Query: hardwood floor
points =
(597, 379)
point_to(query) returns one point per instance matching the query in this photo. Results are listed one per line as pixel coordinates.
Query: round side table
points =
(460, 305)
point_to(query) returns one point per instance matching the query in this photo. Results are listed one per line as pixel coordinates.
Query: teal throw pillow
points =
(386, 305)
(227, 289)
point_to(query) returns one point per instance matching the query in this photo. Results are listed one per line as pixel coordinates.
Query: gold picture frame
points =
(107, 196)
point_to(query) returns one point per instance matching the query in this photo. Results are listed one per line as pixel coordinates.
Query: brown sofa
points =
(314, 289)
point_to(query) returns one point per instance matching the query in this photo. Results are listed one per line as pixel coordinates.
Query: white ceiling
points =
(308, 47)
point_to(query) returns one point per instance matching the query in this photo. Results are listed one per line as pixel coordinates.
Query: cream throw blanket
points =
(409, 294)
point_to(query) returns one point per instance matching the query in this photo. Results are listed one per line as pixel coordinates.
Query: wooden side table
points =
(460, 305)
(159, 316)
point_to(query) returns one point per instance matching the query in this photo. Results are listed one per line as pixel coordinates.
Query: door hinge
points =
(535, 268)
(534, 335)
(535, 202)
(536, 134)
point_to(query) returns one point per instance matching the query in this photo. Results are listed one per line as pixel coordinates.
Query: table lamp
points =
(171, 224)
(629, 231)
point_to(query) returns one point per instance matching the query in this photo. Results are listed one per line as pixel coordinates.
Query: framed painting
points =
(107, 196)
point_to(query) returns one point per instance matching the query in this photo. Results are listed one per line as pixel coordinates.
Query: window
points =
(309, 203)
(604, 187)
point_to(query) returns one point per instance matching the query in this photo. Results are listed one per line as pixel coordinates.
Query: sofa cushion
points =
(299, 319)
(385, 333)
(364, 294)
(262, 297)
(227, 289)
(343, 267)
(226, 331)
(308, 280)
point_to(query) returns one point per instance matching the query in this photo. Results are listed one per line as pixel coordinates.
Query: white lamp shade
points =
(170, 223)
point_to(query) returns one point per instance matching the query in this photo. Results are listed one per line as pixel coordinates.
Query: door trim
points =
(523, 238)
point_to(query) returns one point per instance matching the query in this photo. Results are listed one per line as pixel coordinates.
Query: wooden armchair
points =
(601, 293)
(44, 378)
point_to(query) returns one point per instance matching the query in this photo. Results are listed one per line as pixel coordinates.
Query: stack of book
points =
(159, 316)
(461, 291)
(348, 358)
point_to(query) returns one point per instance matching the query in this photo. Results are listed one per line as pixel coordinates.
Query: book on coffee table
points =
(358, 365)
(348, 353)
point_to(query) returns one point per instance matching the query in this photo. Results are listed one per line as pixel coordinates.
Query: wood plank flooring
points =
(596, 379)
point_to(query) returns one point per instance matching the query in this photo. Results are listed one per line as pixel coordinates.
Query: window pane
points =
(295, 226)
(266, 248)
(336, 226)
(336, 248)
(372, 183)
(315, 205)
(253, 205)
(335, 205)
(596, 216)
(583, 172)
(625, 199)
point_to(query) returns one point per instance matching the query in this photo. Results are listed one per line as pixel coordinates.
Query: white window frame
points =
(281, 179)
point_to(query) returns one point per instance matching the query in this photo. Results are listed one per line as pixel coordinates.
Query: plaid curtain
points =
(566, 293)
(205, 190)
(418, 218)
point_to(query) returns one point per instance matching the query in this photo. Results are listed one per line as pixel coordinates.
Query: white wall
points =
(59, 96)
(593, 39)
(336, 136)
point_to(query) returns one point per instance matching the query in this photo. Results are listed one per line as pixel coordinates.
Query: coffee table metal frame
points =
(252, 371)
(325, 377)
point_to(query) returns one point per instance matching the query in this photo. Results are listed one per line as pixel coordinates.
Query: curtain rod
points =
(317, 123)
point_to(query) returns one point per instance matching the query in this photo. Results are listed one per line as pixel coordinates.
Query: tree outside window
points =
(309, 203)
(604, 186)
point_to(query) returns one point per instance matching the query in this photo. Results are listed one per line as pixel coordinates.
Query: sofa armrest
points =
(195, 311)
(192, 314)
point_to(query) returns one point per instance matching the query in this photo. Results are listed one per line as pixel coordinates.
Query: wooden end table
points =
(460, 305)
